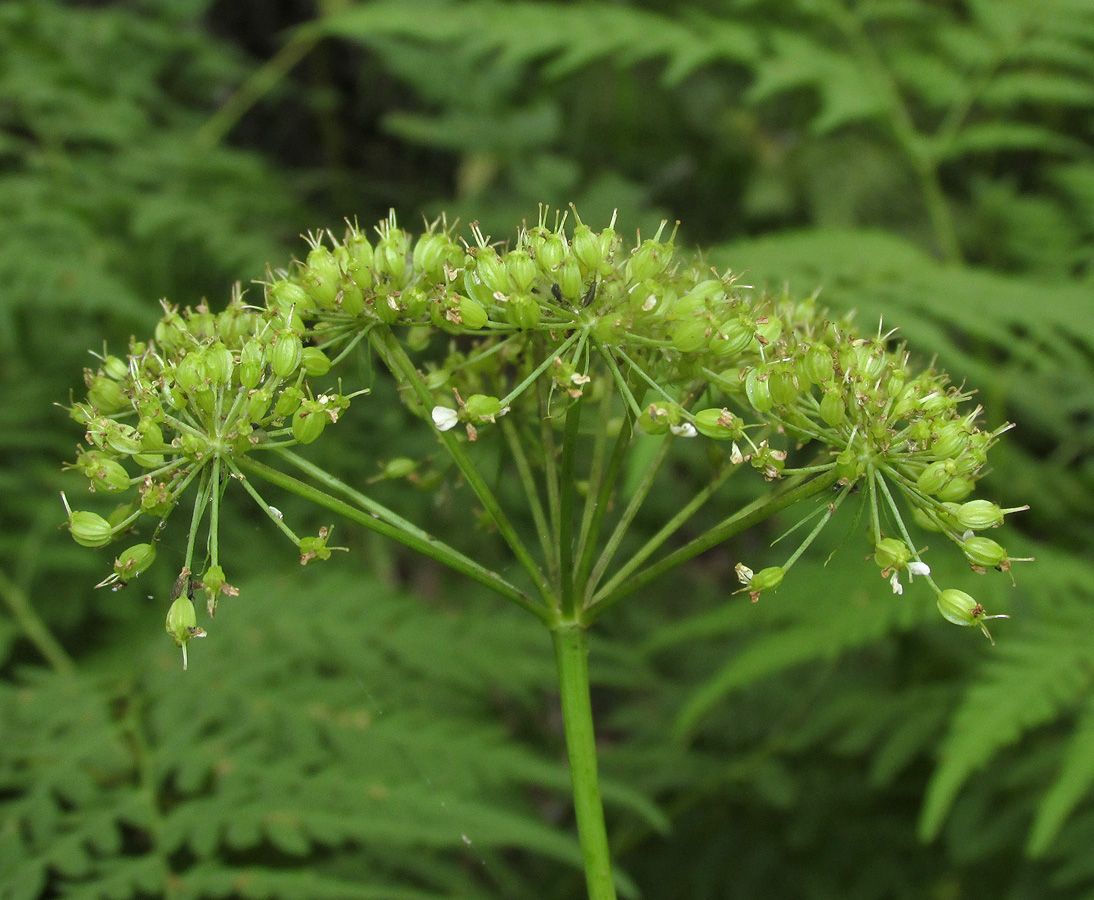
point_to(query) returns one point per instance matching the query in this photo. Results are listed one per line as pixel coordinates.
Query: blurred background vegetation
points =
(376, 729)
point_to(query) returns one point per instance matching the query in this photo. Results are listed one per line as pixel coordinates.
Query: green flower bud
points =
(286, 353)
(288, 402)
(767, 579)
(481, 408)
(719, 424)
(889, 553)
(90, 529)
(315, 362)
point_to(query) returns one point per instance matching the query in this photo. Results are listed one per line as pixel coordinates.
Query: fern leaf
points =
(1036, 674)
(1074, 781)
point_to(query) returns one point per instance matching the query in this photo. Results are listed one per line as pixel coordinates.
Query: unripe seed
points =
(570, 281)
(472, 315)
(935, 477)
(691, 335)
(490, 270)
(134, 560)
(782, 386)
(833, 410)
(218, 363)
(110, 475)
(106, 395)
(719, 424)
(586, 246)
(286, 353)
(316, 363)
(523, 311)
(90, 529)
(818, 365)
(190, 371)
(308, 423)
(979, 514)
(757, 391)
(521, 269)
(982, 551)
(115, 368)
(958, 607)
(732, 337)
(957, 489)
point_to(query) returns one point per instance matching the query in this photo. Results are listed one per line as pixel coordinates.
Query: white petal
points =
(744, 573)
(918, 568)
(898, 588)
(444, 417)
(685, 429)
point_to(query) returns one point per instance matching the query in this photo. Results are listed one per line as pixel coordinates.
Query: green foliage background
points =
(374, 729)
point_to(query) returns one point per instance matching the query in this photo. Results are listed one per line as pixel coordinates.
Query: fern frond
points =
(1071, 785)
(1042, 670)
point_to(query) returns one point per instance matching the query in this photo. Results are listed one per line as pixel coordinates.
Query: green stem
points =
(636, 501)
(752, 514)
(261, 82)
(665, 532)
(603, 485)
(566, 508)
(401, 366)
(572, 658)
(415, 539)
(36, 631)
(528, 482)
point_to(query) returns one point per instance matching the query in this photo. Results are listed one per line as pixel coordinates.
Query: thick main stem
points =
(572, 658)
